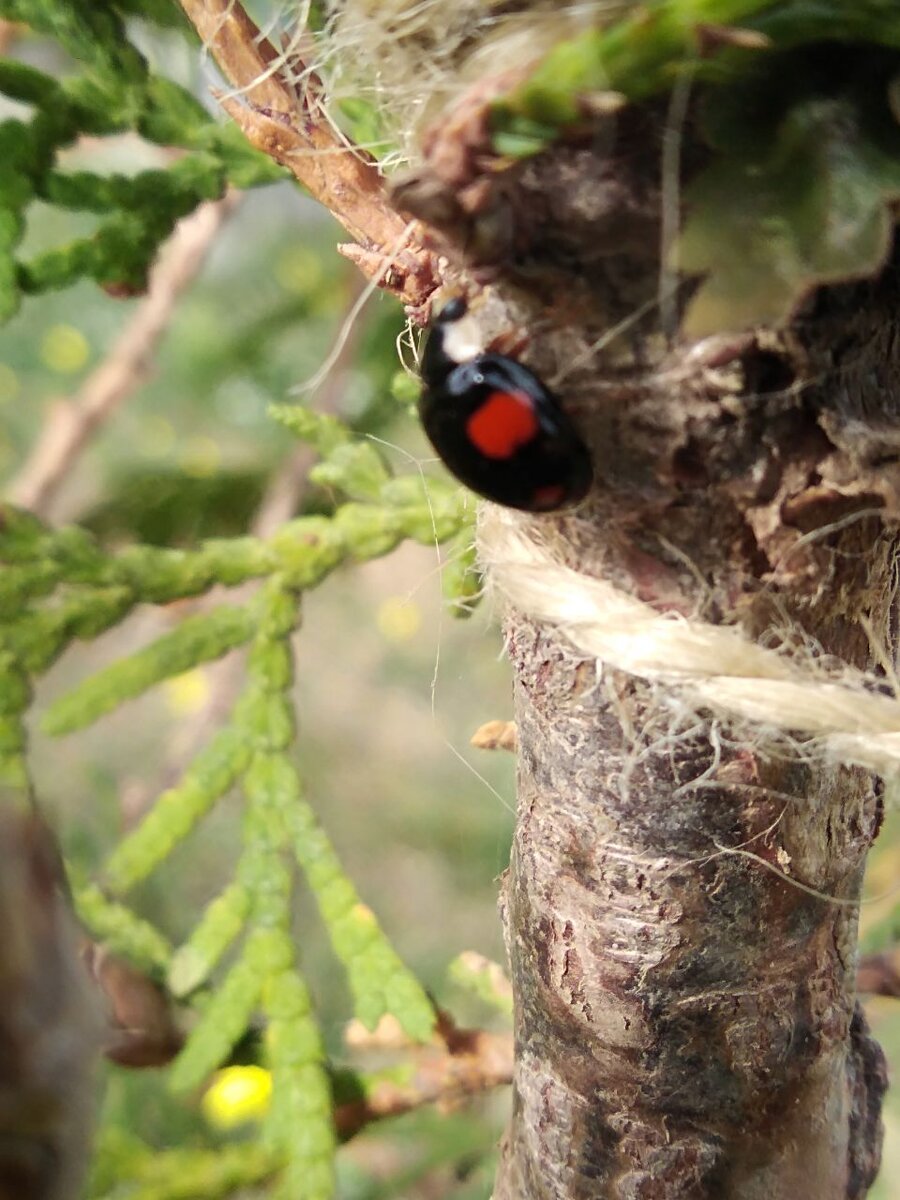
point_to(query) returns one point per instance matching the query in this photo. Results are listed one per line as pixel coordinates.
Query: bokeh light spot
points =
(9, 384)
(399, 619)
(299, 270)
(64, 349)
(201, 457)
(188, 693)
(157, 437)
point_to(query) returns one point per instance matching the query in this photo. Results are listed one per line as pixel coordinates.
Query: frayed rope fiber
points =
(712, 666)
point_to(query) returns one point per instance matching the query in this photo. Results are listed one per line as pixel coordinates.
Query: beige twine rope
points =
(711, 666)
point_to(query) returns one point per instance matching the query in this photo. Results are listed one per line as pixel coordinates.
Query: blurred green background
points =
(390, 685)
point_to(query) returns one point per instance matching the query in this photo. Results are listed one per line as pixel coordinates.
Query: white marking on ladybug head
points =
(462, 340)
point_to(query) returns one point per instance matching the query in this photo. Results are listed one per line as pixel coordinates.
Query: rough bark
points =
(686, 1019)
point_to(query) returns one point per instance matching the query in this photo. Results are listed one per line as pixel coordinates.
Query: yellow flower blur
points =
(236, 1096)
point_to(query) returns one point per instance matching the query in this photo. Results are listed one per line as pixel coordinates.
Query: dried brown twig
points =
(495, 735)
(290, 126)
(458, 1064)
(879, 974)
(9, 31)
(72, 423)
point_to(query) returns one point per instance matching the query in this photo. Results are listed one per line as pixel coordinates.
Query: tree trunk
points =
(685, 1021)
(686, 1018)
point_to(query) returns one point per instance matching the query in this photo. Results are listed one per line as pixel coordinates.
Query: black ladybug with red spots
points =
(498, 429)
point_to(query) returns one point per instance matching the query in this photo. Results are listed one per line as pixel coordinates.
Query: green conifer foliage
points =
(59, 586)
(113, 91)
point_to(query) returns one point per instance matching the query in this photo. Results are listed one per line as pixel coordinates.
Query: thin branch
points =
(9, 31)
(50, 1029)
(463, 1064)
(72, 423)
(291, 127)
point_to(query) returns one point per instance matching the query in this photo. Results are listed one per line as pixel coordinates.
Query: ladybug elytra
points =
(496, 427)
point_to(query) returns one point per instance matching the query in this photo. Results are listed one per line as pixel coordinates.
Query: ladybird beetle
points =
(498, 429)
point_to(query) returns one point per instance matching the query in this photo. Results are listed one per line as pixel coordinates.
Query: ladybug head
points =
(454, 338)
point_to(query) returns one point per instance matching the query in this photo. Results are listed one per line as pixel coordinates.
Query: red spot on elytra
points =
(505, 422)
